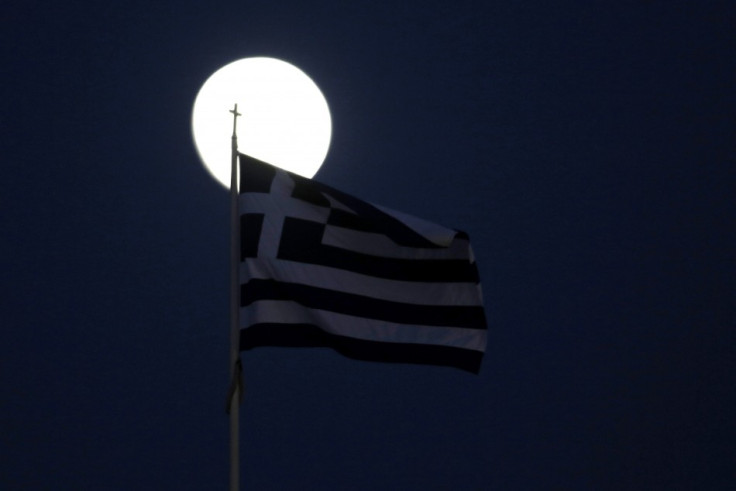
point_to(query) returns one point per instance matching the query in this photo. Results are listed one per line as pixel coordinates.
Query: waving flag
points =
(322, 268)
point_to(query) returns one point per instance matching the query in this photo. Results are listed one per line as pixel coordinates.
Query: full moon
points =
(285, 119)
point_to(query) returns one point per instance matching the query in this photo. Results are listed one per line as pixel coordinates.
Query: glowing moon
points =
(285, 119)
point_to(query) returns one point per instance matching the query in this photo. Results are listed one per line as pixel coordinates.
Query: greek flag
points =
(322, 268)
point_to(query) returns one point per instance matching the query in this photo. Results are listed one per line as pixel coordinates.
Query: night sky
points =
(588, 148)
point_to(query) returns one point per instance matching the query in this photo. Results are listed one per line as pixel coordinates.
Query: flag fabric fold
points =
(320, 267)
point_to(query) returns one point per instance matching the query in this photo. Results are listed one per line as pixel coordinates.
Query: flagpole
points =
(236, 389)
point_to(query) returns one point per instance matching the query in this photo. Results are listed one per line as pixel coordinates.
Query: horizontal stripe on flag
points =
(380, 245)
(420, 293)
(437, 234)
(289, 312)
(269, 204)
(301, 241)
(361, 306)
(307, 335)
(358, 214)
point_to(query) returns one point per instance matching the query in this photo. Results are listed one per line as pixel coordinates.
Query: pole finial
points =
(235, 118)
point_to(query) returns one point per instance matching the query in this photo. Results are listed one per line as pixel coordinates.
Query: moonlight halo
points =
(285, 118)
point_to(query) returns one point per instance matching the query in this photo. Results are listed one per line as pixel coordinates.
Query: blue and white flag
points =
(322, 268)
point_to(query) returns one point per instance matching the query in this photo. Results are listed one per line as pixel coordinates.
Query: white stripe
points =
(437, 234)
(411, 292)
(281, 205)
(334, 203)
(380, 245)
(285, 312)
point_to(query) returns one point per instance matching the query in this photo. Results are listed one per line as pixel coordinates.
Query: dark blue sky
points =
(587, 148)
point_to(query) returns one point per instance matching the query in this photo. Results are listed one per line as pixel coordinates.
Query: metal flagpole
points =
(236, 385)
